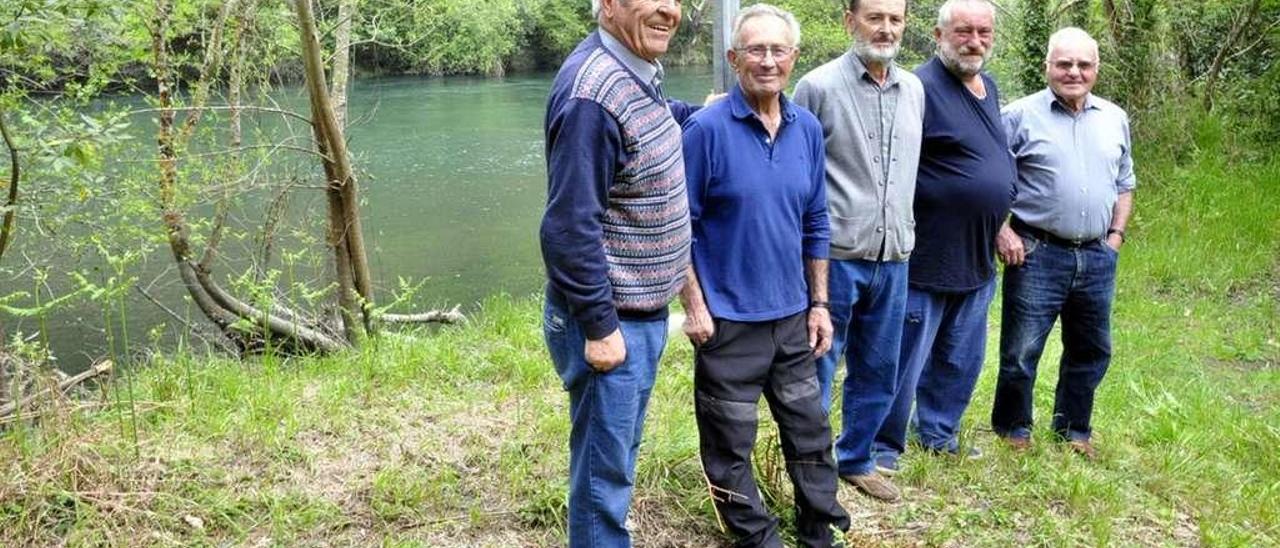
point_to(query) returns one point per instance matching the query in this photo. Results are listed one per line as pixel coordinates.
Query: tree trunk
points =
(342, 61)
(342, 181)
(11, 202)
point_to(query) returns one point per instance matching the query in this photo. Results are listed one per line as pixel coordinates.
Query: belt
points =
(1030, 231)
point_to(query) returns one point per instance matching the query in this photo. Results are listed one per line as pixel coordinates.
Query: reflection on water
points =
(453, 181)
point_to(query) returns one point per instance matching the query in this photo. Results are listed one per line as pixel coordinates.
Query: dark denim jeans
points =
(868, 300)
(606, 412)
(1078, 284)
(944, 340)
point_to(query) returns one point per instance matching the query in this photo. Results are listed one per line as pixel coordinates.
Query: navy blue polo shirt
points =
(758, 208)
(964, 186)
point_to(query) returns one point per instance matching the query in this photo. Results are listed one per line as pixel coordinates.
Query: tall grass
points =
(457, 435)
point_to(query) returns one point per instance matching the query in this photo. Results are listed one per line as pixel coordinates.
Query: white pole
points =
(722, 29)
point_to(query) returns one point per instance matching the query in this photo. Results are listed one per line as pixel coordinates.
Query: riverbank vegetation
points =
(242, 432)
(458, 435)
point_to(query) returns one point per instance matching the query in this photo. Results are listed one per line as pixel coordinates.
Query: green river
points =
(453, 185)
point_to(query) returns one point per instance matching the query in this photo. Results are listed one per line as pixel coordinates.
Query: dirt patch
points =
(1242, 365)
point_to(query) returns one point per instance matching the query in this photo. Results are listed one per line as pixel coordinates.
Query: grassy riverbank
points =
(458, 437)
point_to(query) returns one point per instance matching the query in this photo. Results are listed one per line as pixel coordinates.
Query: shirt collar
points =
(741, 110)
(645, 70)
(860, 70)
(1052, 101)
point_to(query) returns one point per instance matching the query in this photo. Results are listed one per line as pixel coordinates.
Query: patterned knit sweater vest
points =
(646, 225)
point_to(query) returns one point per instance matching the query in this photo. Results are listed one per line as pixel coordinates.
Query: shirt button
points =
(871, 136)
(876, 159)
(1082, 214)
(879, 229)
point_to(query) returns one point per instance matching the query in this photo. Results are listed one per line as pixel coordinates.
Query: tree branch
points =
(453, 315)
(66, 384)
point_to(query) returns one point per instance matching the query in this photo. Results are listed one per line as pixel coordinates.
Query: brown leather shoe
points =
(1017, 444)
(875, 486)
(1083, 448)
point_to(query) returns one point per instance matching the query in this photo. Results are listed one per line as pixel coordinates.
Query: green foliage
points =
(1030, 48)
(1129, 73)
(552, 29)
(822, 34)
(460, 432)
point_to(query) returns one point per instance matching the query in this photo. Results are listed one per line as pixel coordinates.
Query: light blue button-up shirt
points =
(1072, 166)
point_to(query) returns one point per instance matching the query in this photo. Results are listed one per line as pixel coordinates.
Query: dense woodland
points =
(203, 68)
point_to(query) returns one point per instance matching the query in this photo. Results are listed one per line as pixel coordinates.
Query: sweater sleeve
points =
(681, 111)
(584, 148)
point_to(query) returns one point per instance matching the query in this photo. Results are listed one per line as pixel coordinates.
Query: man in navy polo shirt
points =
(963, 191)
(758, 209)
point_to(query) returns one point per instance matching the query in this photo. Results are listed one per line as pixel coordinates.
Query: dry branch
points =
(453, 315)
(21, 403)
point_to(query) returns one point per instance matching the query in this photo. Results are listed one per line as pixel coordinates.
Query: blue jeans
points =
(606, 412)
(868, 300)
(1078, 284)
(944, 340)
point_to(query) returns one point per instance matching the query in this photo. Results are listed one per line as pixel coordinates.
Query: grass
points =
(457, 436)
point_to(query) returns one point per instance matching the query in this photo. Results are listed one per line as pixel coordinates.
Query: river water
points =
(454, 183)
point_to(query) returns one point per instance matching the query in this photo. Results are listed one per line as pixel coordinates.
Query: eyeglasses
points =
(759, 53)
(1066, 66)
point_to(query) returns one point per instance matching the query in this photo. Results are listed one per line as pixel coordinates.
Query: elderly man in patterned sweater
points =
(615, 240)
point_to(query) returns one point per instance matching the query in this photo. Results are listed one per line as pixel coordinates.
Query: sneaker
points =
(887, 467)
(1083, 448)
(875, 486)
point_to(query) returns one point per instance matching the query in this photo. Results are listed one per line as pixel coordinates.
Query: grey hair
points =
(765, 10)
(595, 9)
(1071, 34)
(945, 12)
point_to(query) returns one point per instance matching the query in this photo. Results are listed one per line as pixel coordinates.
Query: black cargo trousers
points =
(741, 361)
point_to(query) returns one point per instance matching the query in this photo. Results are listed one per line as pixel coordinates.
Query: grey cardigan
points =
(866, 208)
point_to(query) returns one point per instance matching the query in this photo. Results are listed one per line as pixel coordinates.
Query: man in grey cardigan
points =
(872, 113)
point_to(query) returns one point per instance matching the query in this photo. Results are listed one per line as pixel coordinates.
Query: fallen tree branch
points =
(453, 315)
(97, 369)
(293, 331)
(140, 407)
(219, 339)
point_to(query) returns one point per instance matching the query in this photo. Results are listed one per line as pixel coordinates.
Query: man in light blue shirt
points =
(1074, 196)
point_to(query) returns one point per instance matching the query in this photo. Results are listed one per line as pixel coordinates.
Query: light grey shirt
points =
(1072, 167)
(872, 136)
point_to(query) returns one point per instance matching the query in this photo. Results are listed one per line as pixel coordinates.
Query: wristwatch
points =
(1111, 231)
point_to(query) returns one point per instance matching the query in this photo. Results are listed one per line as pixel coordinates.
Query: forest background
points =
(293, 410)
